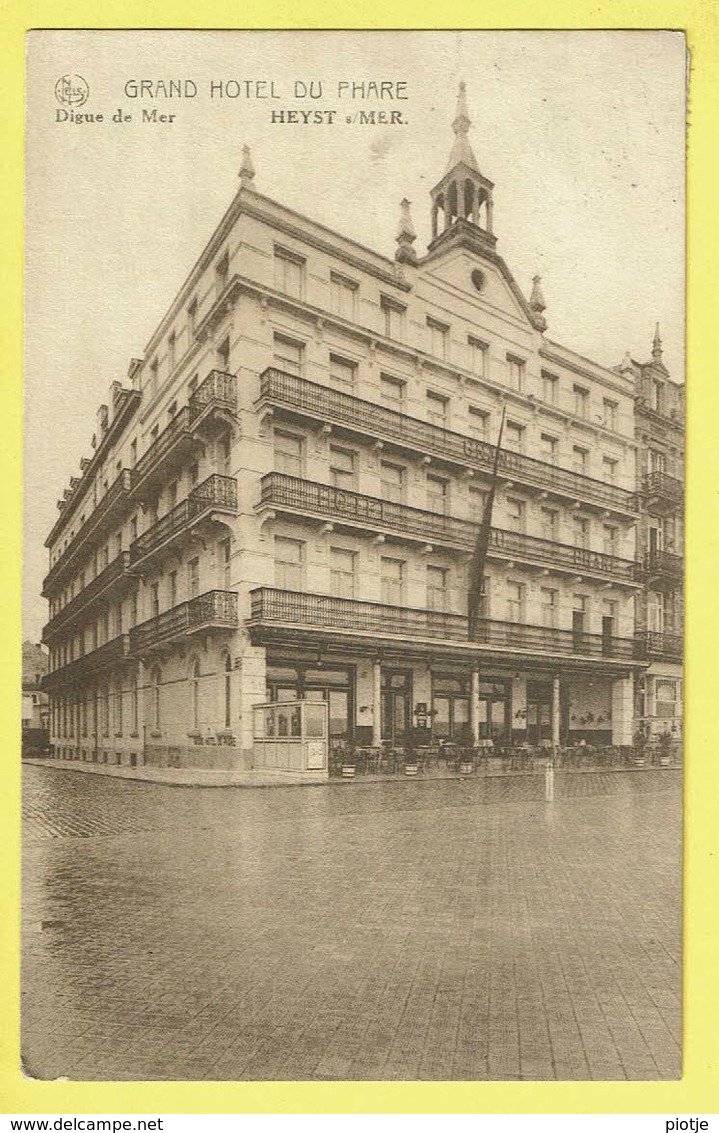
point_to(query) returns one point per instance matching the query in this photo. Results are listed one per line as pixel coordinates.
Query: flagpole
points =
(479, 556)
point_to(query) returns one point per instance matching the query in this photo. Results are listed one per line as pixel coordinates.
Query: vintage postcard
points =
(353, 744)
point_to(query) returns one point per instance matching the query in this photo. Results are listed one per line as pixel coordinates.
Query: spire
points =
(536, 303)
(247, 169)
(657, 347)
(406, 236)
(462, 204)
(461, 150)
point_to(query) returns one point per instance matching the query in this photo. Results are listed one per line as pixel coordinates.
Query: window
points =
(227, 691)
(118, 619)
(289, 558)
(133, 529)
(438, 338)
(579, 614)
(658, 396)
(609, 413)
(192, 384)
(343, 295)
(657, 461)
(288, 355)
(172, 589)
(225, 557)
(195, 695)
(436, 588)
(609, 470)
(133, 609)
(579, 460)
(392, 482)
(515, 601)
(548, 448)
(392, 577)
(437, 494)
(134, 705)
(192, 316)
(193, 578)
(548, 604)
(118, 708)
(154, 599)
(478, 352)
(550, 386)
(342, 468)
(393, 317)
(154, 368)
(172, 495)
(133, 453)
(289, 272)
(392, 391)
(515, 515)
(515, 372)
(288, 453)
(581, 531)
(514, 436)
(478, 420)
(437, 407)
(581, 401)
(477, 502)
(105, 711)
(222, 270)
(171, 351)
(665, 698)
(223, 355)
(609, 539)
(156, 682)
(193, 474)
(342, 572)
(118, 543)
(342, 372)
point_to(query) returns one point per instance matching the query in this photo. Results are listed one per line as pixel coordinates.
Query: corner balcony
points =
(663, 494)
(657, 645)
(662, 570)
(91, 664)
(356, 512)
(107, 583)
(209, 412)
(214, 611)
(210, 502)
(296, 616)
(101, 519)
(299, 397)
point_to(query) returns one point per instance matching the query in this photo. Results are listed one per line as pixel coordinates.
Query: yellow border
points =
(698, 1092)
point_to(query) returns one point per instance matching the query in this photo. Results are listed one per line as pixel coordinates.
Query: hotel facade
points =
(283, 501)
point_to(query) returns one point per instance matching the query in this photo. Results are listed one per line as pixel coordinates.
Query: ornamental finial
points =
(406, 236)
(657, 346)
(247, 169)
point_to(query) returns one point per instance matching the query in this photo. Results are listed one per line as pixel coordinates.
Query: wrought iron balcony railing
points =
(216, 609)
(308, 497)
(289, 608)
(97, 661)
(217, 392)
(654, 644)
(101, 517)
(83, 603)
(663, 563)
(663, 488)
(278, 388)
(215, 494)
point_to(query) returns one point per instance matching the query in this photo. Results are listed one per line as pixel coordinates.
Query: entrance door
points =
(396, 705)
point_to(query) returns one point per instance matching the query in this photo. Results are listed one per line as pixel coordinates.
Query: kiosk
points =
(291, 735)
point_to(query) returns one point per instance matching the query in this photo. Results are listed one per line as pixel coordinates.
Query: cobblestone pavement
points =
(439, 930)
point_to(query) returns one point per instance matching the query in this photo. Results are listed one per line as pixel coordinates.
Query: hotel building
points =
(284, 500)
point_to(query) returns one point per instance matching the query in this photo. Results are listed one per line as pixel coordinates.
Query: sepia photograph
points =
(352, 662)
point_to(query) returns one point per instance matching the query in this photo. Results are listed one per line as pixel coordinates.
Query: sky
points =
(582, 133)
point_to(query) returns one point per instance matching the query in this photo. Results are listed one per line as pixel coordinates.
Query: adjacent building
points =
(35, 701)
(283, 502)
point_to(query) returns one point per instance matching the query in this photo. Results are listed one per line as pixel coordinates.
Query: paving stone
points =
(439, 930)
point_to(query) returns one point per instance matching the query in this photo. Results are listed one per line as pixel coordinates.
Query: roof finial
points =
(626, 363)
(657, 346)
(536, 303)
(247, 169)
(462, 150)
(406, 236)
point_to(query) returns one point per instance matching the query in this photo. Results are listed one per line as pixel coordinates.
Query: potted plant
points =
(411, 766)
(466, 763)
(348, 762)
(665, 749)
(641, 739)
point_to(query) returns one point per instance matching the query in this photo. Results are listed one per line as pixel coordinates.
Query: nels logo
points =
(72, 90)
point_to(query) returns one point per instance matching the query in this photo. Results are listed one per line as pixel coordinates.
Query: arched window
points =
(228, 691)
(196, 695)
(156, 688)
(135, 706)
